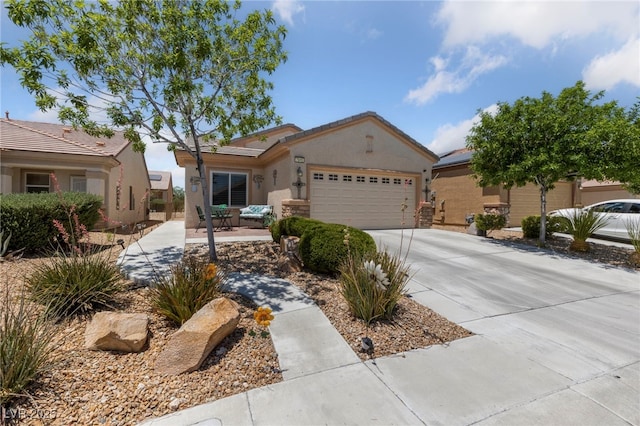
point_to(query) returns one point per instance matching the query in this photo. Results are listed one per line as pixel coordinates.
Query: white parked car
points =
(617, 212)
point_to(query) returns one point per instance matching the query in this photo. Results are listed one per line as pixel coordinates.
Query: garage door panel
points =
(370, 204)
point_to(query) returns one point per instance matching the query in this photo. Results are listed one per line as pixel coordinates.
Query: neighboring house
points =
(591, 191)
(359, 171)
(456, 195)
(30, 152)
(161, 192)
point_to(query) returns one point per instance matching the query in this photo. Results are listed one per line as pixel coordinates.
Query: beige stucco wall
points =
(364, 145)
(457, 195)
(596, 194)
(131, 173)
(525, 201)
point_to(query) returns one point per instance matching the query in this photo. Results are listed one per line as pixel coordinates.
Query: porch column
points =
(6, 178)
(97, 183)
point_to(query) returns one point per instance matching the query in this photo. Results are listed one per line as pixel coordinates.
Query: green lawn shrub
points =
(192, 284)
(325, 246)
(531, 226)
(29, 217)
(292, 226)
(490, 222)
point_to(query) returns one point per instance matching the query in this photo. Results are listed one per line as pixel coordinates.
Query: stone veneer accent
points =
(296, 208)
(425, 216)
(497, 208)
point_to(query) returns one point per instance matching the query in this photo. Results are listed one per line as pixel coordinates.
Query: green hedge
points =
(490, 222)
(29, 217)
(323, 249)
(293, 226)
(531, 226)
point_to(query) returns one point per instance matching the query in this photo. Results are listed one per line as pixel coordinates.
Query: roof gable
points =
(160, 181)
(295, 138)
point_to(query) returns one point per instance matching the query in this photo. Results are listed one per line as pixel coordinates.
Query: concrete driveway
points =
(558, 339)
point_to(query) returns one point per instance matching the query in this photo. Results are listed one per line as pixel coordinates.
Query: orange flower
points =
(263, 316)
(211, 271)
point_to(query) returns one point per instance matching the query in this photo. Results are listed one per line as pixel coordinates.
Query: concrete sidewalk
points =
(530, 361)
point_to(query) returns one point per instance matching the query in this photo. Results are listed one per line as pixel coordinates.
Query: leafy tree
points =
(543, 140)
(618, 137)
(178, 198)
(182, 72)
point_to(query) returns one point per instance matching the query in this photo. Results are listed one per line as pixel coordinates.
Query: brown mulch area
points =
(88, 387)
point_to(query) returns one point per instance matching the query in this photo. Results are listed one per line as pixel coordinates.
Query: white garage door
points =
(362, 200)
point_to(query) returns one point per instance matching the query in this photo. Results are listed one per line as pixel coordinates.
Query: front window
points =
(78, 184)
(229, 188)
(37, 182)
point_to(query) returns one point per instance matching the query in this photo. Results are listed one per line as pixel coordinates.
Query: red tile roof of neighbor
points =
(19, 135)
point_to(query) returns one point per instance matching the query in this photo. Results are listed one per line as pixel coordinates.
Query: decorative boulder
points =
(117, 331)
(289, 261)
(193, 342)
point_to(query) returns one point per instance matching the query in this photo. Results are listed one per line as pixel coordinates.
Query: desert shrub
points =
(29, 217)
(323, 246)
(633, 229)
(25, 343)
(68, 284)
(293, 226)
(581, 224)
(192, 284)
(490, 222)
(372, 285)
(531, 226)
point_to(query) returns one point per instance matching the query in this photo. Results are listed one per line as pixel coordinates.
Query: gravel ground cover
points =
(104, 388)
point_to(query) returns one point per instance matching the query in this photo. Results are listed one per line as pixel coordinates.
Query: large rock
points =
(191, 344)
(117, 331)
(289, 260)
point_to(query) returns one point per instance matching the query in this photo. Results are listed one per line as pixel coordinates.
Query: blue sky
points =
(427, 67)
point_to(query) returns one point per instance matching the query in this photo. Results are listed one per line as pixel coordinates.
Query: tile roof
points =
(19, 135)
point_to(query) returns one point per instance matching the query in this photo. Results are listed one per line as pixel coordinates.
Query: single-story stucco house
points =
(31, 151)
(161, 192)
(360, 171)
(456, 195)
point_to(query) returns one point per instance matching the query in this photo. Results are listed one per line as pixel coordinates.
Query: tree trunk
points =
(543, 213)
(207, 209)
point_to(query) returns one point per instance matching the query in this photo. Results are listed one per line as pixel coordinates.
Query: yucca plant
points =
(70, 284)
(581, 224)
(192, 284)
(373, 285)
(633, 229)
(25, 346)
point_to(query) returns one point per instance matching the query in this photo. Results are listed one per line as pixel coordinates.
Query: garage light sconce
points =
(298, 183)
(258, 179)
(194, 180)
(275, 176)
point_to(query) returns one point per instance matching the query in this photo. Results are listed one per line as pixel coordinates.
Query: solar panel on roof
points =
(155, 177)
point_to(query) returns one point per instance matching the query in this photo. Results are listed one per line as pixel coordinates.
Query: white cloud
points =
(621, 66)
(286, 9)
(535, 23)
(473, 64)
(453, 136)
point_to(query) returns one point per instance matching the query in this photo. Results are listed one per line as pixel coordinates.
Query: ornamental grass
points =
(193, 283)
(25, 346)
(633, 229)
(373, 285)
(581, 224)
(72, 283)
